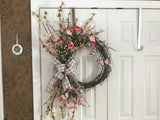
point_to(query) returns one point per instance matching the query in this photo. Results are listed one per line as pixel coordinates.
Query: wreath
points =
(63, 44)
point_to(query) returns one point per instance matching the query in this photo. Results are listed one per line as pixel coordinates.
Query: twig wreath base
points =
(104, 51)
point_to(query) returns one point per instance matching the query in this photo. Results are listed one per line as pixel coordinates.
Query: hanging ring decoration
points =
(17, 48)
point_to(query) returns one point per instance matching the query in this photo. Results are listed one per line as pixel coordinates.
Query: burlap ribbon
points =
(62, 73)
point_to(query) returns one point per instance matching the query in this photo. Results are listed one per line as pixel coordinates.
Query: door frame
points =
(36, 5)
(1, 83)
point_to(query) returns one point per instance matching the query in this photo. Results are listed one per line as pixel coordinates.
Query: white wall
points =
(1, 88)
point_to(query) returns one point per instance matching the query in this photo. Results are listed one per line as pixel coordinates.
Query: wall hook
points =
(17, 48)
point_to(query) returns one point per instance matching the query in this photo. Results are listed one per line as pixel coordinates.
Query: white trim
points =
(36, 4)
(1, 83)
(95, 3)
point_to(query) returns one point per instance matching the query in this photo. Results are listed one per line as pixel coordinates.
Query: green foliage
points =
(63, 57)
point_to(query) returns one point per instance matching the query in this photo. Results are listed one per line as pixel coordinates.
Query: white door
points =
(132, 91)
(134, 87)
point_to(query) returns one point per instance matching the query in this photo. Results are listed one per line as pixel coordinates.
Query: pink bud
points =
(106, 61)
(101, 62)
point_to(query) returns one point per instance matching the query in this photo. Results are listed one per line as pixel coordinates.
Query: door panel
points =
(133, 88)
(151, 42)
(96, 97)
(122, 29)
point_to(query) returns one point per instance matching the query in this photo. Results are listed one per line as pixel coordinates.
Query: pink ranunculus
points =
(92, 53)
(101, 62)
(66, 94)
(59, 40)
(68, 31)
(71, 88)
(63, 97)
(106, 61)
(93, 43)
(92, 38)
(70, 45)
(71, 107)
(94, 50)
(46, 41)
(80, 103)
(77, 28)
(50, 43)
(58, 97)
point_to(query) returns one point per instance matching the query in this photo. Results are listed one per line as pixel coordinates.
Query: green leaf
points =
(63, 57)
(87, 41)
(58, 47)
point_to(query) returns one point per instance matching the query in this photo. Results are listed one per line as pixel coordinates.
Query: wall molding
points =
(1, 84)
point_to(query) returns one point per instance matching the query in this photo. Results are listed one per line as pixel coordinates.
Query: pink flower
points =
(93, 43)
(101, 62)
(48, 41)
(66, 94)
(94, 50)
(59, 40)
(70, 45)
(92, 53)
(92, 38)
(75, 105)
(68, 31)
(82, 27)
(77, 28)
(71, 88)
(63, 97)
(58, 97)
(80, 103)
(106, 61)
(70, 107)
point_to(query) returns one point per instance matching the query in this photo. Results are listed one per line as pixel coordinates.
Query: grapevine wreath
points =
(63, 44)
